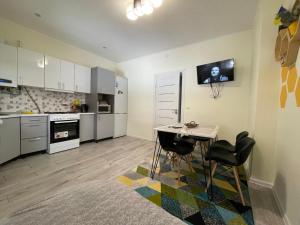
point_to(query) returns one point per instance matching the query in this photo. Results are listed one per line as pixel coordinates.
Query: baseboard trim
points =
(261, 182)
(282, 213)
(271, 186)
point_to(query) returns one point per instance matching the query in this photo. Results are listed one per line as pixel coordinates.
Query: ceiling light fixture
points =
(142, 7)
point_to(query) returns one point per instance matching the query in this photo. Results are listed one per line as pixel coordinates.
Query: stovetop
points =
(58, 116)
(61, 112)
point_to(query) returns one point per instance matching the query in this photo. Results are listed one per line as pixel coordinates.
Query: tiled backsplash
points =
(48, 101)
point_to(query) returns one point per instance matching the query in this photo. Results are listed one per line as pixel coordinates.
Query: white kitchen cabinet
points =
(67, 75)
(59, 74)
(82, 79)
(30, 68)
(9, 139)
(8, 66)
(52, 73)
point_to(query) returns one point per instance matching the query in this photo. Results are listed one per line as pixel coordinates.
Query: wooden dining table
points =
(199, 133)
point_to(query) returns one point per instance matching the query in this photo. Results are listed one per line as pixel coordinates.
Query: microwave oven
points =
(104, 108)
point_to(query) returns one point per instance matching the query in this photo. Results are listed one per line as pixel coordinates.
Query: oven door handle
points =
(69, 121)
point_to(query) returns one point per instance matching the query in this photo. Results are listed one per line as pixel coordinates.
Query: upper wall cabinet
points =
(59, 74)
(67, 75)
(82, 79)
(52, 73)
(8, 65)
(30, 68)
(106, 81)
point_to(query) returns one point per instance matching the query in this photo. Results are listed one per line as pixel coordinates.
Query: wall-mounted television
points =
(222, 71)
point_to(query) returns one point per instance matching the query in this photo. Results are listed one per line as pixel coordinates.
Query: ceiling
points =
(101, 26)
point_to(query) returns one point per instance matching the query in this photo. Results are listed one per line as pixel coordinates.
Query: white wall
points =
(265, 92)
(230, 111)
(287, 183)
(277, 154)
(12, 33)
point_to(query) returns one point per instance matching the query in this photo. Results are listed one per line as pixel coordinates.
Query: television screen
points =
(216, 72)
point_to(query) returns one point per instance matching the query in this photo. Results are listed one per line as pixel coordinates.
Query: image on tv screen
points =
(222, 71)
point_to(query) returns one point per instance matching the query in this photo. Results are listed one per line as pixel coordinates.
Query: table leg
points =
(210, 173)
(156, 161)
(203, 163)
(154, 157)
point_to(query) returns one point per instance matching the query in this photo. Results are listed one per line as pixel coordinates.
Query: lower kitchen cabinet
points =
(105, 126)
(9, 139)
(87, 127)
(34, 134)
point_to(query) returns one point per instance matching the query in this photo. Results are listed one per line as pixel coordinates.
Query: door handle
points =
(176, 111)
(35, 139)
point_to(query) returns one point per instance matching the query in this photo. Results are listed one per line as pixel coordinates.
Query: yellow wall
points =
(11, 32)
(230, 111)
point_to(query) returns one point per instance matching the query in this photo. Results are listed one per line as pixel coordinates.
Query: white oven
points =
(64, 132)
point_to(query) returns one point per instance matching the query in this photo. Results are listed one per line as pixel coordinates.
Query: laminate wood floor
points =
(27, 180)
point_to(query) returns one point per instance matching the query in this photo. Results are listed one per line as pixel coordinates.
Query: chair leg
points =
(189, 161)
(237, 180)
(214, 167)
(178, 168)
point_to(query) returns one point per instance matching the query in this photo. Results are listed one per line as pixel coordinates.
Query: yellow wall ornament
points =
(290, 83)
(286, 51)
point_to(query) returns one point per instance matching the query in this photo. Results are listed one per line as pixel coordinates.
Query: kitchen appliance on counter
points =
(84, 108)
(64, 131)
(5, 82)
(104, 107)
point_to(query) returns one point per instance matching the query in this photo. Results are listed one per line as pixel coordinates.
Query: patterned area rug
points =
(187, 198)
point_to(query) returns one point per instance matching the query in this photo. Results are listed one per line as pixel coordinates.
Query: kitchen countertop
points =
(15, 115)
(20, 115)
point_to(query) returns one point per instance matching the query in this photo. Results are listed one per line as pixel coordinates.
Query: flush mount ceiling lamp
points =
(142, 7)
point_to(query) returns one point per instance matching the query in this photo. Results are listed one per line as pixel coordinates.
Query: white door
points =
(82, 79)
(67, 75)
(52, 73)
(120, 125)
(167, 99)
(121, 95)
(30, 68)
(8, 65)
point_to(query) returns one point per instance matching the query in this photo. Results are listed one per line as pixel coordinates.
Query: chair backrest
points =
(166, 140)
(243, 149)
(241, 135)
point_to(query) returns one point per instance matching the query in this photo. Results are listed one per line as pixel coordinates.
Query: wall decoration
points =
(288, 39)
(283, 96)
(297, 93)
(292, 79)
(48, 101)
(290, 84)
(287, 49)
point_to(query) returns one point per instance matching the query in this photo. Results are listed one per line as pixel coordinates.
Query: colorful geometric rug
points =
(187, 199)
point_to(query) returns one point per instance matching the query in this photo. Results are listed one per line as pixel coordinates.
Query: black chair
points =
(176, 148)
(224, 143)
(230, 156)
